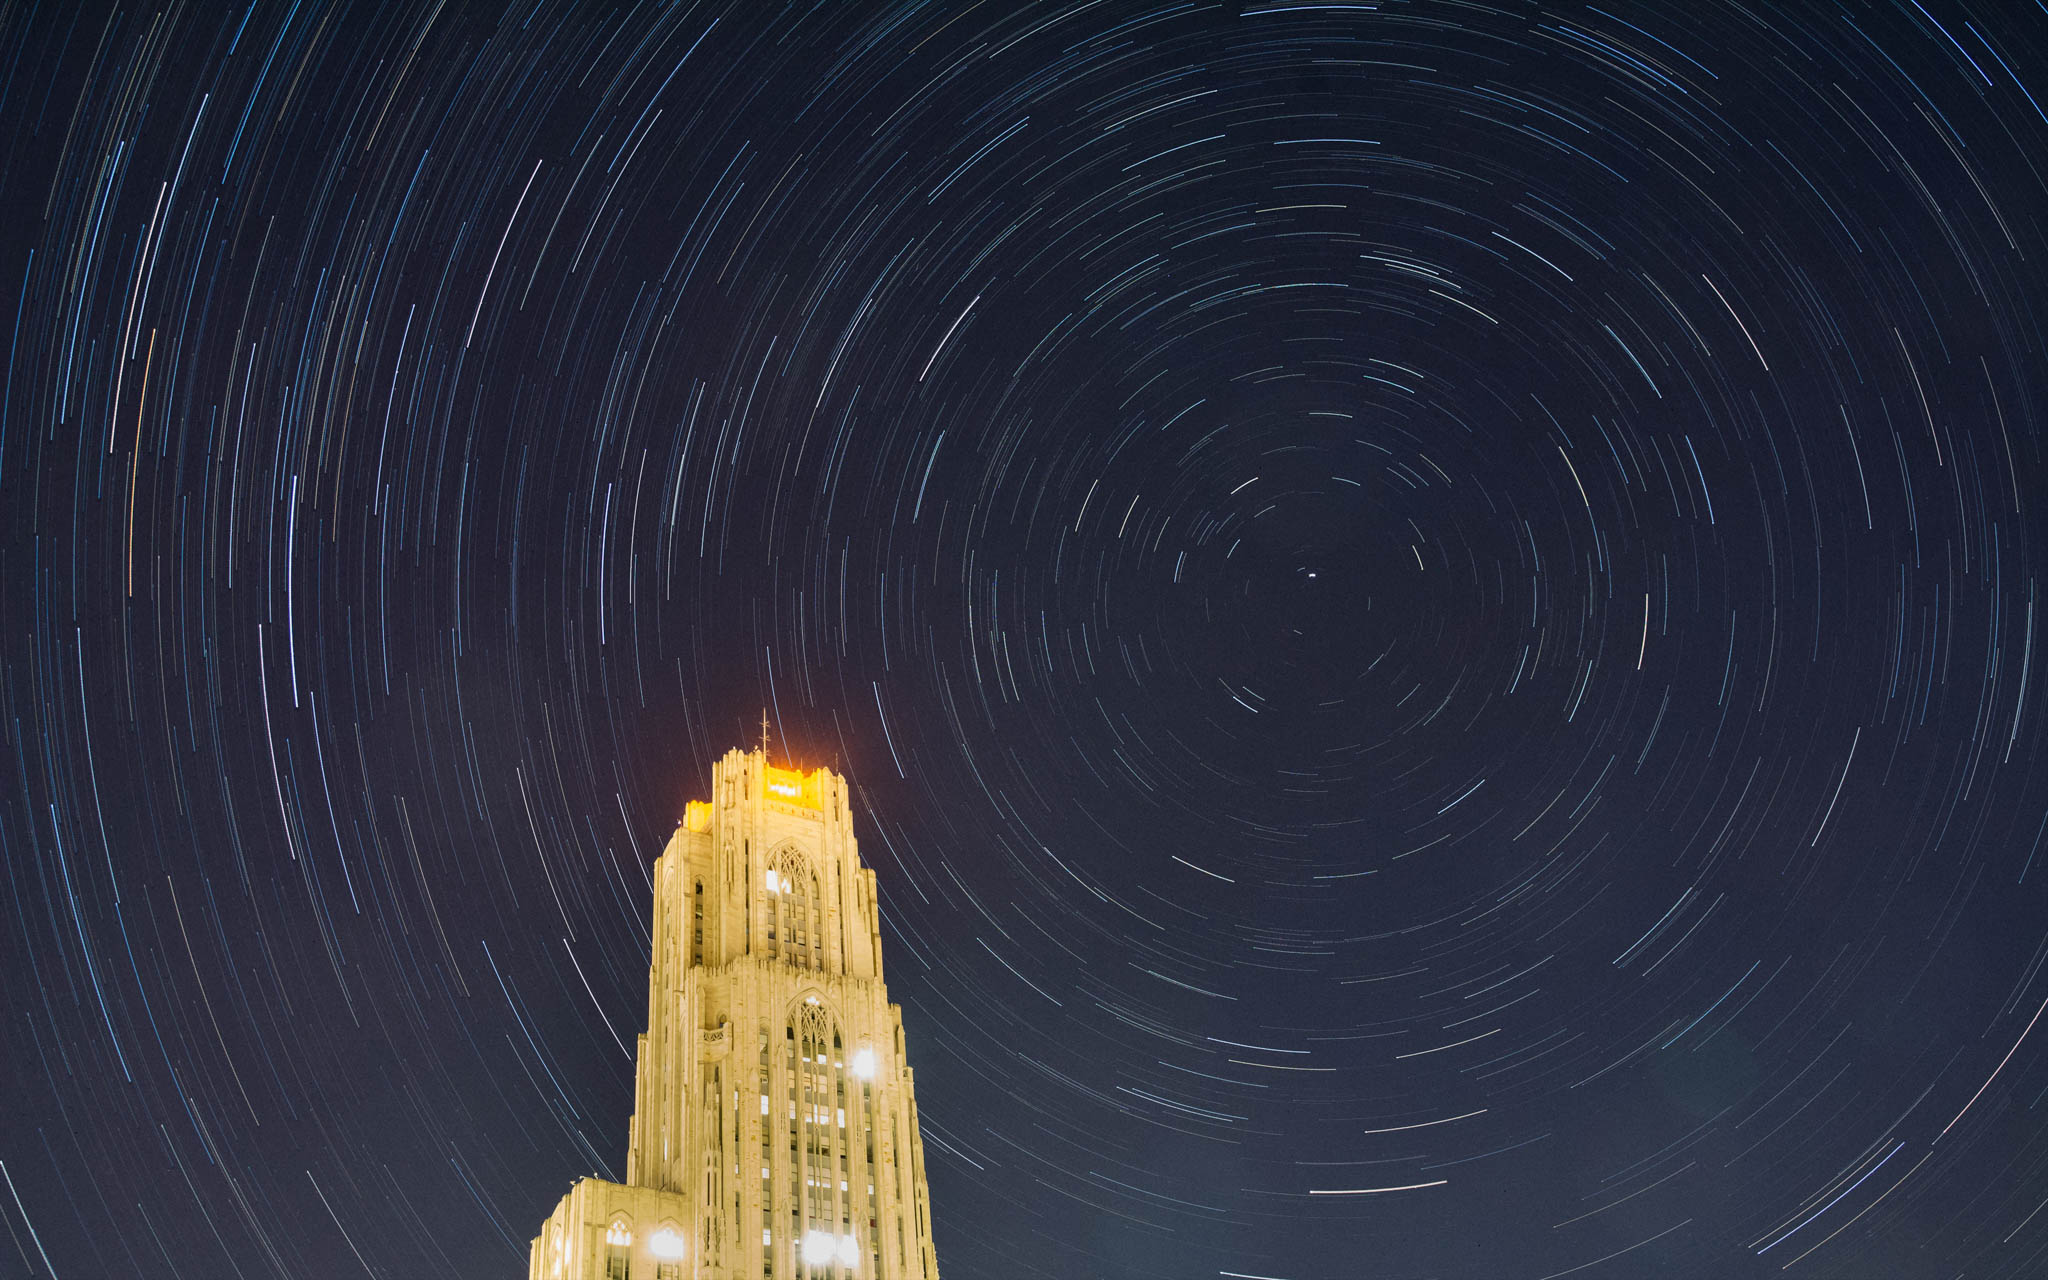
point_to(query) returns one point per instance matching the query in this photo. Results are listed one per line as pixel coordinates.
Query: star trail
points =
(1432, 607)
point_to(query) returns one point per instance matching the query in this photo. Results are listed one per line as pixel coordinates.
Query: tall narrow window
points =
(793, 909)
(618, 1250)
(667, 1245)
(769, 1128)
(697, 925)
(822, 1211)
(718, 1149)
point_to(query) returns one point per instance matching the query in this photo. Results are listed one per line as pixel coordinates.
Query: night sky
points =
(1435, 610)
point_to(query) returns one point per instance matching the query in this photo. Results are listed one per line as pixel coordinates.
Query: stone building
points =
(775, 1129)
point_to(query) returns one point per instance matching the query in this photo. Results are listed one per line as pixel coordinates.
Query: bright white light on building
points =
(665, 1244)
(849, 1252)
(618, 1233)
(818, 1248)
(864, 1063)
(773, 882)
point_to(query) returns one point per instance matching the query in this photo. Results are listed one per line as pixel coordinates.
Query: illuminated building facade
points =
(774, 1131)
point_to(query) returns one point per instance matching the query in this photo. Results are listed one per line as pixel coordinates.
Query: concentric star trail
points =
(1433, 608)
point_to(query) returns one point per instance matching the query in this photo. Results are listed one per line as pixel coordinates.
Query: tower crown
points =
(769, 868)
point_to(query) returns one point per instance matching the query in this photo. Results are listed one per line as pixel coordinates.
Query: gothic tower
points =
(774, 1131)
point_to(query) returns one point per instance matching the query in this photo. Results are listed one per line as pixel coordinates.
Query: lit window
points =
(764, 1104)
(665, 1243)
(864, 1064)
(849, 1252)
(774, 882)
(617, 1260)
(767, 1236)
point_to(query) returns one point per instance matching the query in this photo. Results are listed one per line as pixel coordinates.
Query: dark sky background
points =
(1435, 609)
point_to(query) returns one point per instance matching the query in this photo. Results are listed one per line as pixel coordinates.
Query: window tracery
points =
(794, 908)
(618, 1245)
(828, 1121)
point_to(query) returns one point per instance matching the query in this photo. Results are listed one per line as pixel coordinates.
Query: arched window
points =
(826, 1139)
(795, 909)
(618, 1249)
(667, 1246)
